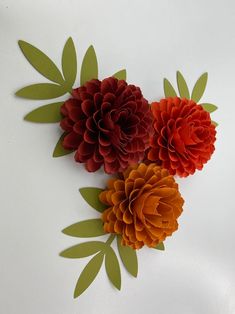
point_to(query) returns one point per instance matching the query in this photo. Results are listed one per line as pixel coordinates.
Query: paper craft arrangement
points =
(108, 124)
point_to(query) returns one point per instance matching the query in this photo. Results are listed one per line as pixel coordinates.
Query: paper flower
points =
(143, 205)
(108, 123)
(183, 137)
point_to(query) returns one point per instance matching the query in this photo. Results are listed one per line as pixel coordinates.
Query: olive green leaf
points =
(69, 63)
(89, 69)
(88, 274)
(41, 62)
(128, 257)
(59, 149)
(209, 107)
(91, 196)
(168, 89)
(120, 75)
(160, 246)
(182, 86)
(214, 123)
(41, 91)
(112, 267)
(85, 229)
(199, 87)
(83, 249)
(45, 114)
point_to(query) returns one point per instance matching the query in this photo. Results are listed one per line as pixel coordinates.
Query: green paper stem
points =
(214, 123)
(91, 196)
(59, 150)
(86, 229)
(128, 257)
(120, 75)
(112, 268)
(199, 88)
(41, 91)
(69, 63)
(182, 86)
(209, 107)
(89, 69)
(168, 89)
(41, 62)
(83, 249)
(88, 274)
(160, 247)
(46, 114)
(110, 239)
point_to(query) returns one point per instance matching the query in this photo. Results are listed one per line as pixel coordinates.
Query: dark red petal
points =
(71, 141)
(90, 137)
(92, 166)
(85, 148)
(112, 167)
(80, 127)
(88, 107)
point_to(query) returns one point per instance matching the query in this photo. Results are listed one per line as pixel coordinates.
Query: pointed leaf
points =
(120, 75)
(89, 69)
(182, 86)
(45, 114)
(83, 249)
(209, 107)
(41, 62)
(169, 89)
(214, 123)
(91, 196)
(128, 257)
(85, 229)
(160, 246)
(59, 149)
(69, 62)
(112, 268)
(41, 91)
(88, 274)
(199, 87)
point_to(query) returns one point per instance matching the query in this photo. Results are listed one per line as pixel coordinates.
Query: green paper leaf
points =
(83, 249)
(214, 123)
(88, 274)
(169, 89)
(91, 196)
(89, 69)
(112, 268)
(59, 149)
(86, 229)
(199, 87)
(128, 257)
(160, 246)
(120, 75)
(45, 114)
(209, 107)
(41, 91)
(41, 62)
(69, 62)
(182, 86)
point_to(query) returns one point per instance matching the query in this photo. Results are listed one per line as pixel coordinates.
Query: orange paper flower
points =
(144, 205)
(184, 136)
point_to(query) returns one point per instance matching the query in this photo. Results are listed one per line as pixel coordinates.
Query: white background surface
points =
(39, 194)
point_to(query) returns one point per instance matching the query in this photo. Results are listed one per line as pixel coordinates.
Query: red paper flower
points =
(108, 123)
(184, 136)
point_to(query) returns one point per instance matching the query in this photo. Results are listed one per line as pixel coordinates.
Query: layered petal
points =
(110, 122)
(143, 205)
(183, 138)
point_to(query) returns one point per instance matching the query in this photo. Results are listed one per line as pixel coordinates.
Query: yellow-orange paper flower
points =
(144, 205)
